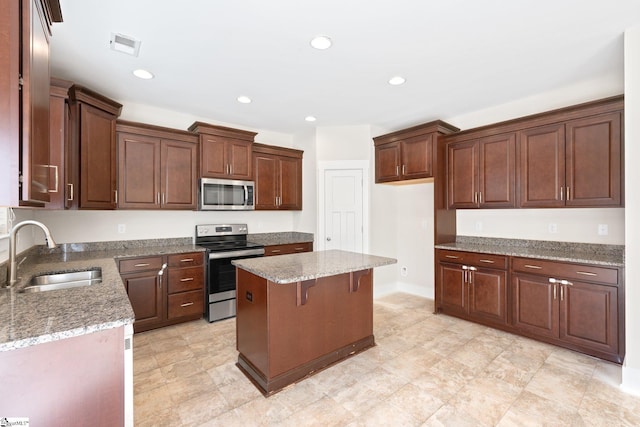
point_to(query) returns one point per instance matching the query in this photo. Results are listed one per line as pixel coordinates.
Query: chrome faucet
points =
(13, 268)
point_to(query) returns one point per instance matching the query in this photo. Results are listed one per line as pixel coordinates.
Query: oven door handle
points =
(236, 254)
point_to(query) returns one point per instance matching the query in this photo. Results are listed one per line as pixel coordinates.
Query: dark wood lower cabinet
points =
(288, 248)
(470, 290)
(164, 290)
(577, 306)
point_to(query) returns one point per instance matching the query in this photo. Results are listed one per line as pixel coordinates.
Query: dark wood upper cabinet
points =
(408, 154)
(91, 157)
(224, 152)
(157, 167)
(24, 89)
(278, 177)
(482, 172)
(576, 163)
(59, 141)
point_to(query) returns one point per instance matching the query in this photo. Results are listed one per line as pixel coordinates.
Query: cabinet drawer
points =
(185, 279)
(474, 258)
(563, 270)
(185, 304)
(289, 248)
(131, 265)
(186, 260)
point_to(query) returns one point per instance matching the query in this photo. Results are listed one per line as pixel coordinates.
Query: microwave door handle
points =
(246, 195)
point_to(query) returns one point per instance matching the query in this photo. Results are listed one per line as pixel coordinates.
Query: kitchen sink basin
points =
(64, 280)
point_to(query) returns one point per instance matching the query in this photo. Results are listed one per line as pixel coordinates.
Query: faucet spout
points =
(13, 268)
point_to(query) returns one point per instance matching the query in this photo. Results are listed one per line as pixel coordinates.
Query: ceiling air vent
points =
(124, 44)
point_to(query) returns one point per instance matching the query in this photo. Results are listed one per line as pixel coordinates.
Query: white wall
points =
(26, 237)
(306, 220)
(631, 368)
(572, 225)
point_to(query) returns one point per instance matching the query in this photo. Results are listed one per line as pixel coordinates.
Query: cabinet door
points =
(213, 162)
(535, 305)
(488, 295)
(239, 157)
(266, 181)
(594, 161)
(145, 295)
(589, 316)
(416, 157)
(387, 162)
(35, 103)
(58, 116)
(542, 167)
(138, 171)
(462, 174)
(290, 183)
(97, 158)
(497, 171)
(178, 174)
(453, 290)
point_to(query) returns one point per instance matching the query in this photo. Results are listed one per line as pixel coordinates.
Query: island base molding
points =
(269, 386)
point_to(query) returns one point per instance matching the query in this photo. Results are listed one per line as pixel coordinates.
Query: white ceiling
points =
(457, 56)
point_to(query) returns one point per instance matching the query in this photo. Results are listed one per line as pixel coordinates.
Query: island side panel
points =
(332, 318)
(251, 319)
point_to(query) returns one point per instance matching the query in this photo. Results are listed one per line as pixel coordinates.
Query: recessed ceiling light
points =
(321, 42)
(143, 74)
(396, 80)
(244, 99)
(310, 119)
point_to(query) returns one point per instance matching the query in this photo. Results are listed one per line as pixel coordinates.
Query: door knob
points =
(328, 239)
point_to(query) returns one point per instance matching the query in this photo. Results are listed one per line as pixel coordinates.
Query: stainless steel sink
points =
(64, 280)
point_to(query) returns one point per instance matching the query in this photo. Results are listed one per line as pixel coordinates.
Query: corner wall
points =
(631, 367)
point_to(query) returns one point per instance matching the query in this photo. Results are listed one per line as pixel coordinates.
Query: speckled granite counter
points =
(310, 265)
(608, 255)
(32, 318)
(280, 238)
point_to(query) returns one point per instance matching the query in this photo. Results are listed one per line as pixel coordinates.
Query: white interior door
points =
(343, 209)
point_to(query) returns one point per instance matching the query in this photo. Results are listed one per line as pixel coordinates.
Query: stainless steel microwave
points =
(225, 195)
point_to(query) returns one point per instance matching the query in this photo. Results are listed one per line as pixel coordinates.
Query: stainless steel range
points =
(224, 243)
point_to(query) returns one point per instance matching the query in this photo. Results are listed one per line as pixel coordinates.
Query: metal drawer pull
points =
(535, 267)
(187, 279)
(488, 261)
(473, 269)
(142, 265)
(275, 250)
(186, 304)
(586, 273)
(451, 256)
(187, 260)
(555, 292)
(299, 249)
(566, 282)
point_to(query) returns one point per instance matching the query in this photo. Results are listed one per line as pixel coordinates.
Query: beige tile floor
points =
(426, 370)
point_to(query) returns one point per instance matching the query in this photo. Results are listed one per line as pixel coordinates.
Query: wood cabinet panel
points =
(594, 161)
(186, 260)
(589, 316)
(145, 294)
(185, 279)
(463, 175)
(409, 153)
(139, 176)
(135, 265)
(157, 167)
(289, 248)
(224, 152)
(388, 162)
(453, 292)
(185, 304)
(59, 141)
(535, 309)
(278, 178)
(488, 295)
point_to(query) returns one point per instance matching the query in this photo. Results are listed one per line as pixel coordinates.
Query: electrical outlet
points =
(478, 225)
(553, 228)
(404, 271)
(122, 228)
(603, 229)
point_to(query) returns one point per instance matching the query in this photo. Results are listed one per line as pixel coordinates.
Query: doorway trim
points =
(343, 165)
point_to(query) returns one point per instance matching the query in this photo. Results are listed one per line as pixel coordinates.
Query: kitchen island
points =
(300, 313)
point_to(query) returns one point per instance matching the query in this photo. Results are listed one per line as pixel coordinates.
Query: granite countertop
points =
(280, 238)
(292, 268)
(32, 318)
(597, 254)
